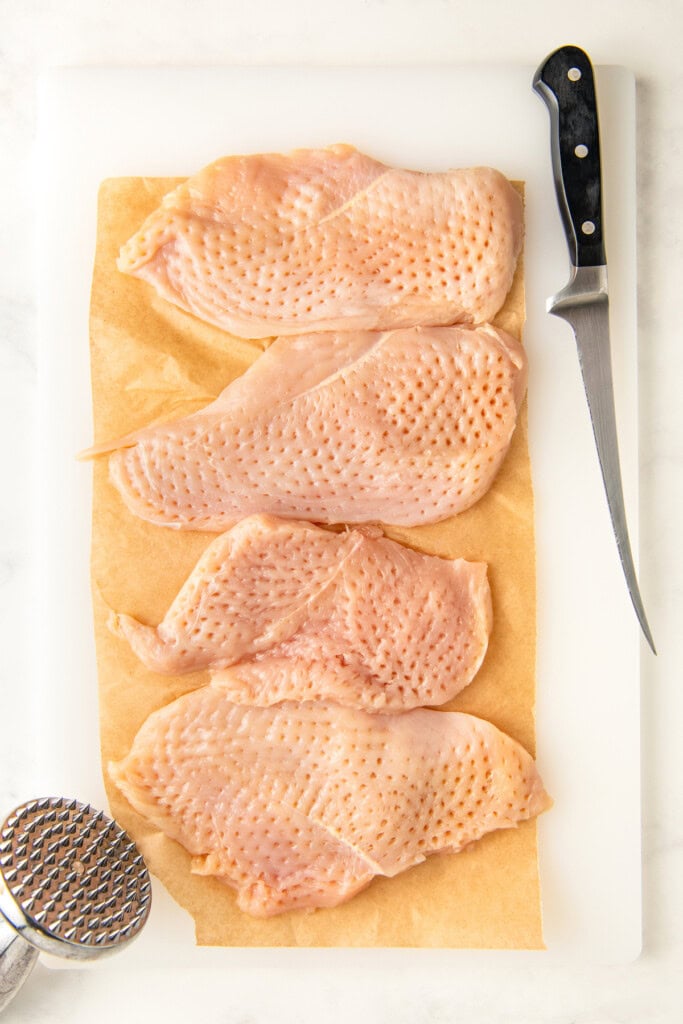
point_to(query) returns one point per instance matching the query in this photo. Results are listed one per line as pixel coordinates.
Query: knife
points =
(566, 83)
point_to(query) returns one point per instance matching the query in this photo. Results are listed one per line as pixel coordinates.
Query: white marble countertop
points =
(643, 35)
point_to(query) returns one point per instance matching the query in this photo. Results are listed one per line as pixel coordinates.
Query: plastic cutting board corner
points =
(100, 123)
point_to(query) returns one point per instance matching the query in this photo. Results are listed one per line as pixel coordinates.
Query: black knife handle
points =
(565, 82)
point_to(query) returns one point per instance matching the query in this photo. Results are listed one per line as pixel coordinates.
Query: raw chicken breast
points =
(406, 427)
(305, 613)
(325, 240)
(301, 805)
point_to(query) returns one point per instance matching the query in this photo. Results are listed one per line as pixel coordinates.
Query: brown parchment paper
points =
(150, 362)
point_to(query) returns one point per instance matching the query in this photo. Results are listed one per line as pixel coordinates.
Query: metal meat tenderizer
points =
(72, 884)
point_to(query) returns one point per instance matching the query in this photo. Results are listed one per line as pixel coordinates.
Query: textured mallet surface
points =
(74, 876)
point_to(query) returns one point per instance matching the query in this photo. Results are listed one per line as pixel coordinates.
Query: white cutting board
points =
(100, 123)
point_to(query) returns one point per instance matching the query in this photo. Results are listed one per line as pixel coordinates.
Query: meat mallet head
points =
(72, 884)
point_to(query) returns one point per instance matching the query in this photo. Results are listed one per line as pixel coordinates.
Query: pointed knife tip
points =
(644, 625)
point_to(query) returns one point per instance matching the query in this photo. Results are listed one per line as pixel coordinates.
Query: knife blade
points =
(566, 83)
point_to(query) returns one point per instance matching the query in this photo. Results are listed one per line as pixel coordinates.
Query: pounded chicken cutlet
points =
(300, 805)
(303, 613)
(330, 239)
(406, 427)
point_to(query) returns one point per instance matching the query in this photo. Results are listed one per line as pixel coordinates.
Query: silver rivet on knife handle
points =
(566, 83)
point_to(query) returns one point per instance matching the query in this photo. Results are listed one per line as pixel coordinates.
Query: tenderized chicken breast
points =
(301, 805)
(304, 613)
(405, 427)
(330, 239)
